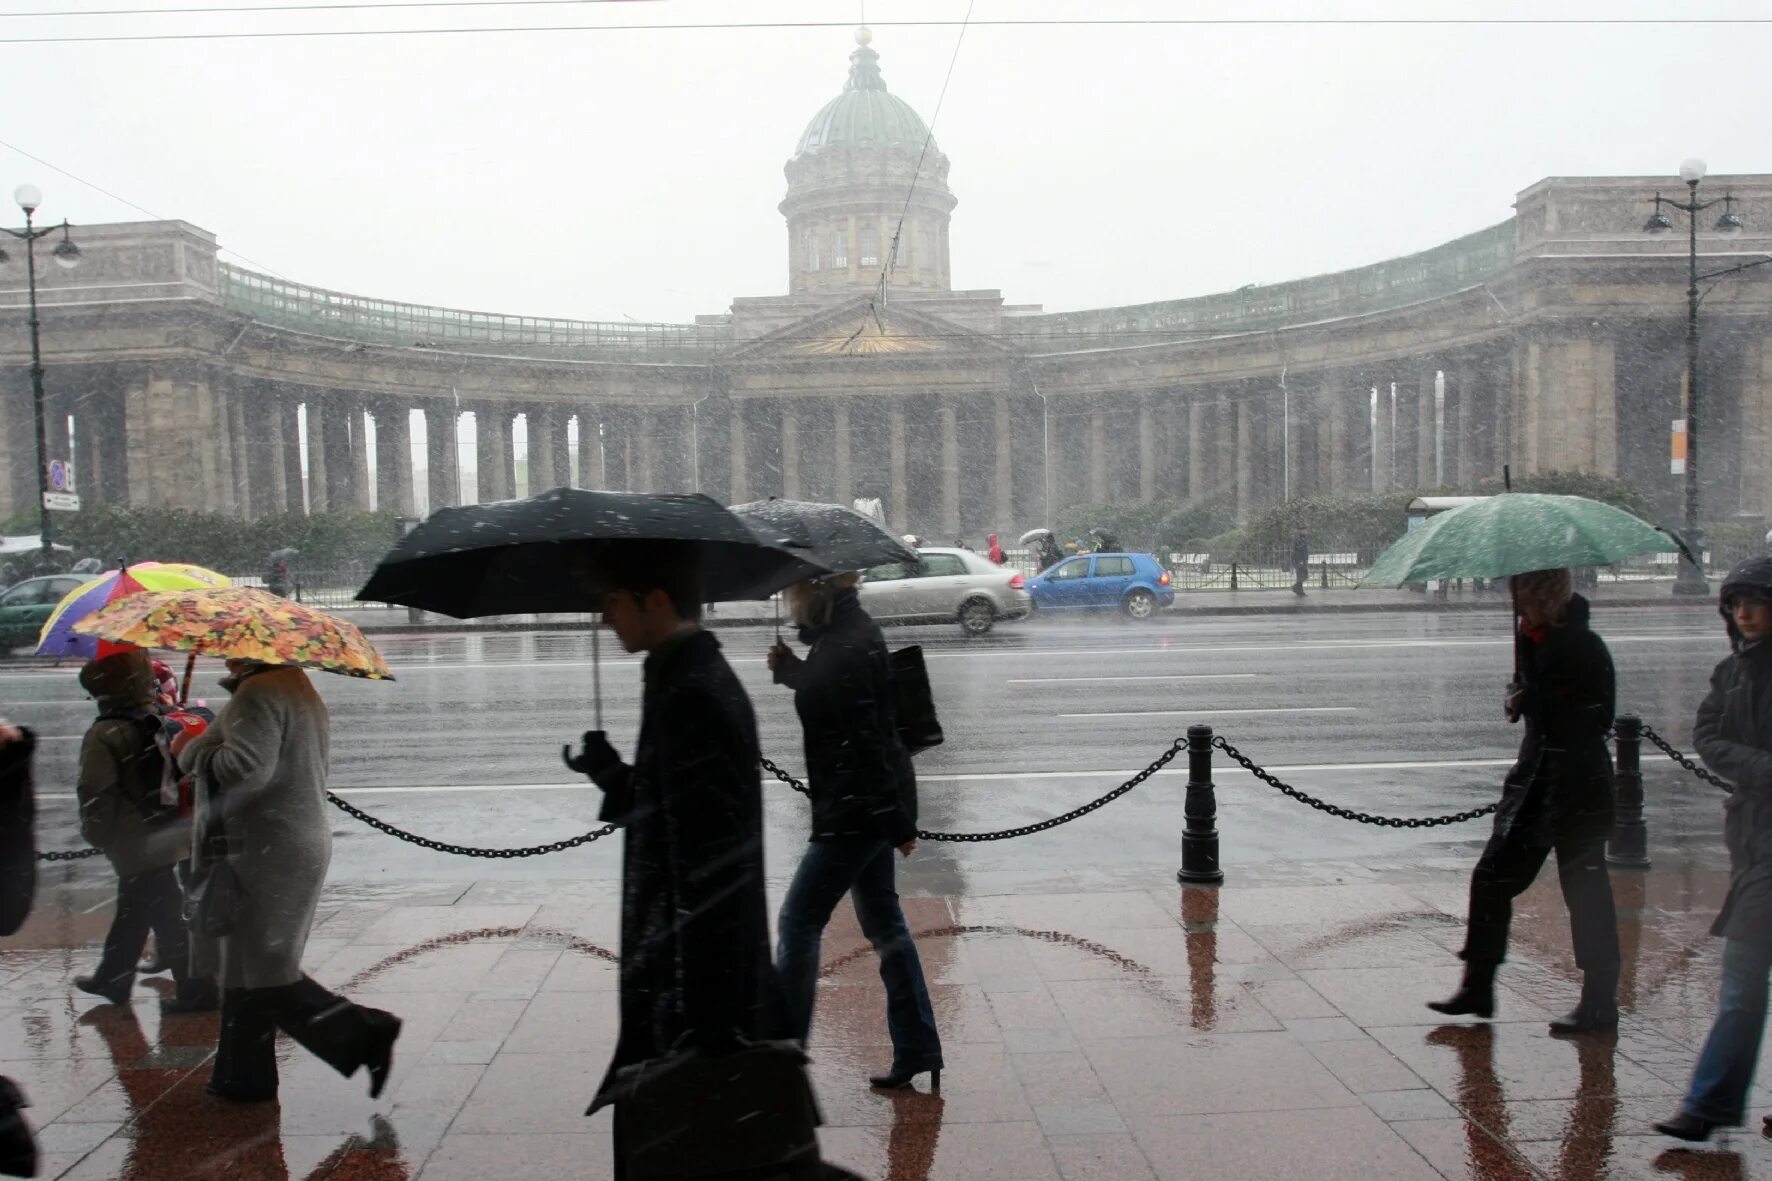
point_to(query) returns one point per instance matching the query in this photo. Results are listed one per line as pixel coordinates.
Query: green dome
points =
(865, 113)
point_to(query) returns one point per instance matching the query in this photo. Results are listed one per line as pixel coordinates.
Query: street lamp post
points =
(67, 256)
(1690, 580)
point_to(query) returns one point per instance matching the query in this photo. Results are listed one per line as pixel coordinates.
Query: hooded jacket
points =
(120, 767)
(1733, 734)
(858, 772)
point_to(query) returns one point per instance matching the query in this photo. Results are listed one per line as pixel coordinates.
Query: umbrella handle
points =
(597, 671)
(184, 692)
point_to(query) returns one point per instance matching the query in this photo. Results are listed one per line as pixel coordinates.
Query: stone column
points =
(1383, 469)
(950, 472)
(543, 427)
(1197, 488)
(1245, 457)
(559, 450)
(442, 479)
(492, 454)
(1097, 456)
(741, 478)
(590, 448)
(843, 435)
(261, 415)
(1427, 429)
(393, 458)
(899, 511)
(1461, 455)
(361, 488)
(1147, 451)
(1298, 436)
(319, 483)
(790, 452)
(1756, 432)
(1003, 471)
(646, 480)
(617, 421)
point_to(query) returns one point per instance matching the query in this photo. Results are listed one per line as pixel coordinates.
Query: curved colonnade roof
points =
(1456, 266)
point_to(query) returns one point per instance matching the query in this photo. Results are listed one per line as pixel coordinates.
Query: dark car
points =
(1136, 584)
(27, 605)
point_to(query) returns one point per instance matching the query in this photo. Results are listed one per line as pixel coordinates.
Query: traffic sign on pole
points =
(66, 502)
(61, 475)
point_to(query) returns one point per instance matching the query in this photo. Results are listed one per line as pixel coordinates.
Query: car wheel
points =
(976, 617)
(1140, 604)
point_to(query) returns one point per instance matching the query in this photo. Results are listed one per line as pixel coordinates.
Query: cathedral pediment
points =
(861, 328)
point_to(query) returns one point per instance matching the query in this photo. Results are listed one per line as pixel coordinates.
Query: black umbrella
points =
(828, 535)
(520, 557)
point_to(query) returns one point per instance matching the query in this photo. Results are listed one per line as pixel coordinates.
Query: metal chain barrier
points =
(1163, 760)
(69, 855)
(1668, 750)
(1339, 812)
(470, 850)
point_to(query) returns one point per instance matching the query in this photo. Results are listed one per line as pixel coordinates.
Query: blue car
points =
(1135, 583)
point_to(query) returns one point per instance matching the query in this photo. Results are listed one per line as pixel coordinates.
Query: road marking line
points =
(961, 777)
(1168, 677)
(1219, 713)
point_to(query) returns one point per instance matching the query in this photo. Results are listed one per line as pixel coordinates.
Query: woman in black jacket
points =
(1733, 735)
(1557, 796)
(864, 806)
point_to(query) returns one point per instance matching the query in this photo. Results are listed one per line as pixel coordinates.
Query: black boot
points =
(245, 1069)
(1475, 996)
(1596, 1012)
(1687, 1127)
(192, 995)
(344, 1035)
(114, 988)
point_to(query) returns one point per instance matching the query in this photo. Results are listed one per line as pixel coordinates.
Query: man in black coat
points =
(1733, 735)
(1558, 796)
(695, 962)
(1301, 560)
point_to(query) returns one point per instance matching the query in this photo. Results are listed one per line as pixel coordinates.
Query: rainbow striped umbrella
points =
(58, 637)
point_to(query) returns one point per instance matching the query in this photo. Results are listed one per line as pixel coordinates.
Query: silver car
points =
(943, 585)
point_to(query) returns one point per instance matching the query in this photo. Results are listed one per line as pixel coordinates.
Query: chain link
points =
(69, 855)
(1668, 750)
(470, 850)
(1266, 777)
(1175, 748)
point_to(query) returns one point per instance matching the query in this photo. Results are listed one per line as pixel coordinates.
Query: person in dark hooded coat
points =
(695, 965)
(1733, 735)
(864, 812)
(1558, 796)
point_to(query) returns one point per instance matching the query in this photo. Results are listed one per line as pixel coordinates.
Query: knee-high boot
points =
(245, 1068)
(341, 1033)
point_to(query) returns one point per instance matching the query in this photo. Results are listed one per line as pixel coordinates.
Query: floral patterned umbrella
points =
(238, 623)
(58, 637)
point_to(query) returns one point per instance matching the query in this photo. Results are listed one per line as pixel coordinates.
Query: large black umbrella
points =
(520, 557)
(828, 535)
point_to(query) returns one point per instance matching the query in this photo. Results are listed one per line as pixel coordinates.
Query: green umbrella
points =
(1514, 533)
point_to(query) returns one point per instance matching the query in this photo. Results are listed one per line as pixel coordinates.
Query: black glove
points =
(597, 760)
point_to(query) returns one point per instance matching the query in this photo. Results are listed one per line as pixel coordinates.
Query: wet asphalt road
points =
(1394, 713)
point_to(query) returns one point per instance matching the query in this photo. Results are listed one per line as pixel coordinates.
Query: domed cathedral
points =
(867, 179)
(1552, 340)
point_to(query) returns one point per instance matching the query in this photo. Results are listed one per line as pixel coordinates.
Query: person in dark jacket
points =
(1301, 560)
(18, 888)
(864, 808)
(1558, 796)
(1733, 735)
(695, 967)
(121, 815)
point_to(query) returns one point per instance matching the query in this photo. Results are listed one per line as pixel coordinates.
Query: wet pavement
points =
(1100, 1022)
(1111, 1026)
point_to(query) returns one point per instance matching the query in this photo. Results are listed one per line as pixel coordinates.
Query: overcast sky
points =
(614, 174)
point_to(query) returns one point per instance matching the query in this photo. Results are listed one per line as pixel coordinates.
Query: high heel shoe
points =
(899, 1078)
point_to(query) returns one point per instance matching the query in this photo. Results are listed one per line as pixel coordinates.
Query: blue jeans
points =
(862, 868)
(1725, 1069)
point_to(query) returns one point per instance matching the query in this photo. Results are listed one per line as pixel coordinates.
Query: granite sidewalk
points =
(1108, 1026)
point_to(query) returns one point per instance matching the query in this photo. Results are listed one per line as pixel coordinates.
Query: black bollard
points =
(1199, 843)
(1629, 846)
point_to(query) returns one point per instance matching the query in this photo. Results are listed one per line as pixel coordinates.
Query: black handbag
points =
(687, 1114)
(18, 1150)
(918, 727)
(215, 897)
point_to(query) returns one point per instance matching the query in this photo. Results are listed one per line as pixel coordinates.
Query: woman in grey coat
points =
(261, 772)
